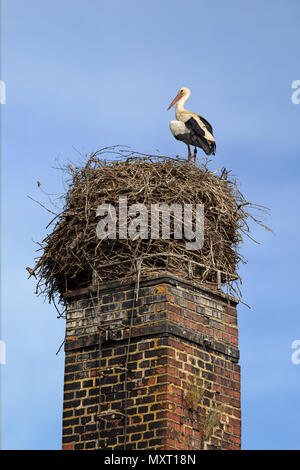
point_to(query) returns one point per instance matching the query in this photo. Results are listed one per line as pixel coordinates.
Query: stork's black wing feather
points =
(193, 125)
(207, 124)
(197, 137)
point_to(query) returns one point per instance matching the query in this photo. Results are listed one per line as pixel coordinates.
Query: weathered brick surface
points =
(182, 363)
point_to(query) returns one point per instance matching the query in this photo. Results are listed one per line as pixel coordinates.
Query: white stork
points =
(191, 128)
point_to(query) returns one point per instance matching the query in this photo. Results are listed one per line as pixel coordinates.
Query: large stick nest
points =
(74, 257)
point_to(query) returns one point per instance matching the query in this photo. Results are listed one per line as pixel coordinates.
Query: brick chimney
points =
(151, 365)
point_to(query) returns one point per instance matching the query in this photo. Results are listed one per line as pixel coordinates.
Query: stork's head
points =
(183, 93)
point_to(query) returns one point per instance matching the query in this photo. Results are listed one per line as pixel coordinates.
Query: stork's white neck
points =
(180, 105)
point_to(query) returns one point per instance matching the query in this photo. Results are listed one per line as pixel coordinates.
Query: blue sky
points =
(86, 74)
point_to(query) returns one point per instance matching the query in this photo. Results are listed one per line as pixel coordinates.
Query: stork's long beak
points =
(174, 101)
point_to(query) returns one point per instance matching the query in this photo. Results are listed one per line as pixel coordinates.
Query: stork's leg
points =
(195, 155)
(189, 154)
